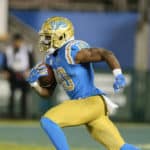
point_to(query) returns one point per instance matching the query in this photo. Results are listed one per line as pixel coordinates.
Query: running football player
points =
(72, 61)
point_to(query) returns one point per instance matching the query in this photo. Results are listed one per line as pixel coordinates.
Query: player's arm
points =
(99, 54)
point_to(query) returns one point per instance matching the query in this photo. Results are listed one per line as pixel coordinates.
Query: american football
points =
(49, 80)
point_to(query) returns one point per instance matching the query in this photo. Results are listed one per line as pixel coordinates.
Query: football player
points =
(72, 61)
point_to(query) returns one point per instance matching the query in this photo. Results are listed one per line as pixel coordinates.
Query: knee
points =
(50, 116)
(129, 147)
(44, 121)
(55, 118)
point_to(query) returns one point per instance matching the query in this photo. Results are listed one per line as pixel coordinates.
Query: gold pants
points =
(91, 112)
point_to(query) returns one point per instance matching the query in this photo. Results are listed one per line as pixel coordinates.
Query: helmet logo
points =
(58, 24)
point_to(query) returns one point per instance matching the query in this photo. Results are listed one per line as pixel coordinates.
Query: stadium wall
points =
(114, 31)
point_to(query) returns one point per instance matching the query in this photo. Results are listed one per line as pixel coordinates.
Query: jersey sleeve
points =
(72, 49)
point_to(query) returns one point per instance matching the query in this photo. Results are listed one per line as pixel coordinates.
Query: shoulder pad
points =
(77, 44)
(80, 45)
(72, 48)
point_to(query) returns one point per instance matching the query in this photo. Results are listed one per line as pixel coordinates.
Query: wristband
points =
(117, 71)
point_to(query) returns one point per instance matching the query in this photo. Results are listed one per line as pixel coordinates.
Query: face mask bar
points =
(49, 44)
(45, 43)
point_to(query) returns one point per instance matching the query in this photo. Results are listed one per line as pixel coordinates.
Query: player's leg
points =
(69, 113)
(103, 130)
(54, 133)
(76, 112)
(106, 133)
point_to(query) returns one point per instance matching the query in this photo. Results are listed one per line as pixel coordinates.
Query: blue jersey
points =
(76, 79)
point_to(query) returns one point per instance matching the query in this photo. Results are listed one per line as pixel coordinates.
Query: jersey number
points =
(64, 79)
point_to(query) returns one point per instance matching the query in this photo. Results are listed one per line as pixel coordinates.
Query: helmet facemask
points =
(51, 43)
(45, 43)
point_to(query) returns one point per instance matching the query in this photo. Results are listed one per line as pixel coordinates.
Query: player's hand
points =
(37, 72)
(119, 82)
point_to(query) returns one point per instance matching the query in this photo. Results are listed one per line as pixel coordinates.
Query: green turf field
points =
(27, 135)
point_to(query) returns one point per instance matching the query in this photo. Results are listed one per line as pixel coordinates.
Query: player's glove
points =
(119, 82)
(37, 72)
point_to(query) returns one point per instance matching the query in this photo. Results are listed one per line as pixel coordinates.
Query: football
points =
(49, 80)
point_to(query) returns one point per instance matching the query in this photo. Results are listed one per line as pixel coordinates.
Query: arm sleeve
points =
(72, 49)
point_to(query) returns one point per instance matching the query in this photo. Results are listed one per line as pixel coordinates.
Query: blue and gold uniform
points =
(87, 105)
(76, 79)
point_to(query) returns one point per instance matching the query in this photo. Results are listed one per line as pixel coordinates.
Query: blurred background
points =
(122, 26)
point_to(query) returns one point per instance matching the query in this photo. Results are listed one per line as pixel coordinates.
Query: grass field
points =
(27, 135)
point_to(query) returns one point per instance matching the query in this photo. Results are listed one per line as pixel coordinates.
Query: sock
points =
(55, 134)
(129, 147)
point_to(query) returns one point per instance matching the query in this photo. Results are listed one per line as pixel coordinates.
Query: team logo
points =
(58, 24)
